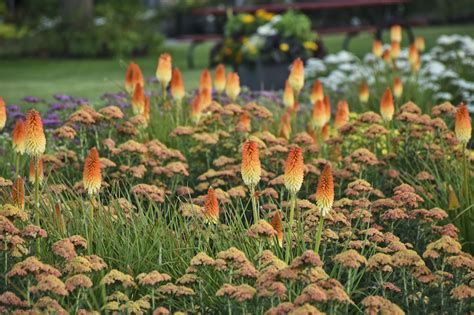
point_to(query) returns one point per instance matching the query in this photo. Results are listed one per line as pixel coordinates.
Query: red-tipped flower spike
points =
(462, 127)
(278, 227)
(288, 96)
(387, 56)
(327, 109)
(387, 108)
(205, 81)
(211, 206)
(164, 69)
(342, 114)
(420, 43)
(296, 78)
(245, 122)
(146, 110)
(35, 140)
(91, 176)
(377, 48)
(364, 93)
(397, 87)
(232, 88)
(294, 170)
(18, 193)
(325, 191)
(196, 109)
(219, 78)
(396, 33)
(413, 54)
(318, 117)
(19, 136)
(40, 172)
(133, 77)
(3, 114)
(317, 92)
(138, 100)
(395, 50)
(285, 125)
(206, 98)
(177, 86)
(251, 168)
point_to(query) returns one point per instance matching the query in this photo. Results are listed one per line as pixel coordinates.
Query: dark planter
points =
(263, 76)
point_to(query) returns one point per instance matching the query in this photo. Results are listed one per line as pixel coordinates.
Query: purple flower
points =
(16, 115)
(32, 99)
(62, 97)
(13, 108)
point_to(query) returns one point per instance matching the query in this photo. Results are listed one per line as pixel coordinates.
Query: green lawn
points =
(92, 77)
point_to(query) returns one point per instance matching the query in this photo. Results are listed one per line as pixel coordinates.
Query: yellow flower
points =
(247, 18)
(264, 15)
(284, 47)
(310, 45)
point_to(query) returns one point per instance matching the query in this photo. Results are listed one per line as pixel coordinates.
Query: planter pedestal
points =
(261, 76)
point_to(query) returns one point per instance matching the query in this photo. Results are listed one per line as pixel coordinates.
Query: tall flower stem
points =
(318, 234)
(290, 227)
(388, 138)
(165, 93)
(17, 164)
(254, 204)
(36, 160)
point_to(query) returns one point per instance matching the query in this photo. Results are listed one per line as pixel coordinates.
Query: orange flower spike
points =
(245, 122)
(420, 43)
(387, 56)
(205, 80)
(377, 48)
(395, 50)
(342, 114)
(462, 126)
(278, 227)
(146, 110)
(397, 87)
(35, 140)
(294, 170)
(396, 33)
(91, 176)
(317, 92)
(40, 172)
(219, 79)
(211, 206)
(327, 108)
(3, 114)
(296, 78)
(288, 96)
(18, 193)
(206, 98)
(232, 88)
(19, 136)
(285, 125)
(364, 93)
(325, 191)
(164, 69)
(325, 132)
(133, 76)
(251, 168)
(196, 109)
(413, 54)
(177, 86)
(138, 100)
(318, 116)
(387, 108)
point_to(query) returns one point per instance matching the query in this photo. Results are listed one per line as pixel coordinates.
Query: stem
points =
(318, 235)
(290, 227)
(254, 204)
(17, 164)
(37, 218)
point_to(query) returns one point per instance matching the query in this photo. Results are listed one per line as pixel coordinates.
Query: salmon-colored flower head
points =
(397, 87)
(325, 132)
(294, 170)
(206, 98)
(19, 136)
(232, 88)
(133, 76)
(395, 50)
(420, 43)
(342, 114)
(211, 206)
(177, 86)
(296, 78)
(18, 193)
(387, 56)
(138, 100)
(91, 176)
(32, 177)
(164, 70)
(364, 93)
(285, 125)
(325, 190)
(317, 92)
(327, 109)
(396, 33)
(251, 168)
(219, 78)
(318, 117)
(3, 114)
(35, 140)
(377, 48)
(387, 108)
(462, 127)
(196, 109)
(413, 54)
(278, 227)
(288, 96)
(205, 80)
